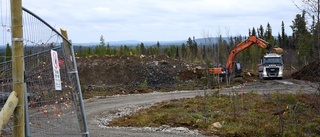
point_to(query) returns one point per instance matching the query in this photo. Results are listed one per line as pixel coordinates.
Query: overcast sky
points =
(161, 20)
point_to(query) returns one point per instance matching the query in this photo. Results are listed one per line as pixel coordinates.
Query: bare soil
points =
(310, 72)
(109, 73)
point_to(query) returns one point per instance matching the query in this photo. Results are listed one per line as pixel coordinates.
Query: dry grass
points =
(239, 114)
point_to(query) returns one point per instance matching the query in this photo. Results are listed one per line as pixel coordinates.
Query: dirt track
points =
(99, 108)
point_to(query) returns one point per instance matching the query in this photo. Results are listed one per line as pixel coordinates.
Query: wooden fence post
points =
(18, 66)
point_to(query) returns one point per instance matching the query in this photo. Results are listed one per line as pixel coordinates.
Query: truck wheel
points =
(260, 76)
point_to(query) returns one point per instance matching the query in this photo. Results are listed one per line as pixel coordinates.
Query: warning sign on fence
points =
(56, 70)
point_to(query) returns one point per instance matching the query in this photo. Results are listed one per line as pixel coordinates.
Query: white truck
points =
(271, 66)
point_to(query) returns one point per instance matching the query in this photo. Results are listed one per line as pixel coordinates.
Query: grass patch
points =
(248, 114)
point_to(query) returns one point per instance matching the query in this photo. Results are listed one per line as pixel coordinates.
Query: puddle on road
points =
(285, 82)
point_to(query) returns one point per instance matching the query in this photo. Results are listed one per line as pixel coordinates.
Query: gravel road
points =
(100, 110)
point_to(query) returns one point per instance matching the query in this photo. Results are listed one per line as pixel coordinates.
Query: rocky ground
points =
(128, 72)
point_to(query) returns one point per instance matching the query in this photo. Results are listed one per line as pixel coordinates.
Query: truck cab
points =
(271, 66)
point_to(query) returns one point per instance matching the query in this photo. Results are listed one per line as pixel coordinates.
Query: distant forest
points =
(300, 47)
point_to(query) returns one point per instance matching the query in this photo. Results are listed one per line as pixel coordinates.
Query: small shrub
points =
(144, 84)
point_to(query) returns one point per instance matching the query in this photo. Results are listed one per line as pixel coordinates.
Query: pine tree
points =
(108, 49)
(314, 39)
(142, 49)
(102, 43)
(8, 52)
(158, 48)
(121, 50)
(219, 53)
(284, 38)
(90, 51)
(204, 53)
(195, 46)
(126, 50)
(260, 32)
(137, 50)
(254, 33)
(312, 7)
(301, 38)
(158, 44)
(190, 45)
(268, 35)
(85, 52)
(177, 53)
(279, 41)
(183, 50)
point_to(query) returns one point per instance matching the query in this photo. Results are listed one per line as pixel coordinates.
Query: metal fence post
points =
(82, 116)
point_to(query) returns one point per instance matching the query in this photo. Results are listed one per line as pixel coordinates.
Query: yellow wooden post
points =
(66, 45)
(8, 109)
(18, 66)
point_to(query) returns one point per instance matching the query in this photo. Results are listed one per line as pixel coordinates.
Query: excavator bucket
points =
(277, 50)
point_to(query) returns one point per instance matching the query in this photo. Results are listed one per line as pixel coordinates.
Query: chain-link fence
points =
(49, 110)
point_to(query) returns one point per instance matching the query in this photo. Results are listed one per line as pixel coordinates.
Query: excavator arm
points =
(242, 46)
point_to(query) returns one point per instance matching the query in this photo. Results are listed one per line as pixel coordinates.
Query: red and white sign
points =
(56, 70)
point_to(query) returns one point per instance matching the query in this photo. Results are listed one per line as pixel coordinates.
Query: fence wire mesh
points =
(50, 112)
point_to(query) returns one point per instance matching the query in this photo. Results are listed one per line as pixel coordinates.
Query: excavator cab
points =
(218, 70)
(238, 69)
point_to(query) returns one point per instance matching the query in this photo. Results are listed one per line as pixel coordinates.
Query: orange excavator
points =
(231, 59)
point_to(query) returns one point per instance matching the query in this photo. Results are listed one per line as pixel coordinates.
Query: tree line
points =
(299, 48)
